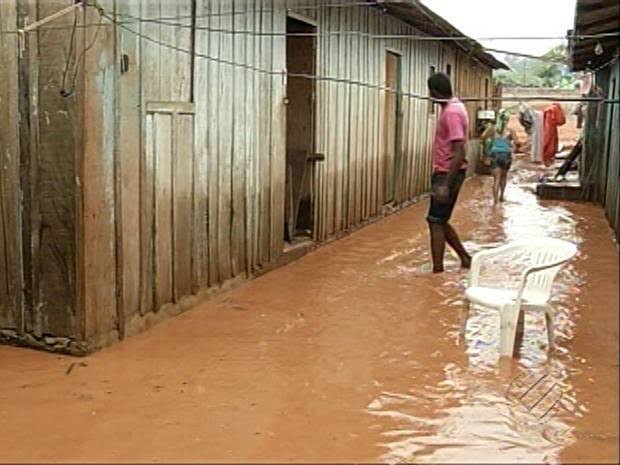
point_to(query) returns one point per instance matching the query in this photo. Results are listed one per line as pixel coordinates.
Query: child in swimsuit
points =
(499, 139)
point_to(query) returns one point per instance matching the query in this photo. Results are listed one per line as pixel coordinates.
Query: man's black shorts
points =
(440, 212)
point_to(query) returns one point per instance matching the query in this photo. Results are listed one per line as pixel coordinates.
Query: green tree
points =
(550, 74)
(550, 71)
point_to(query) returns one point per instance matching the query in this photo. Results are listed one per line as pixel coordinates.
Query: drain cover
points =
(539, 393)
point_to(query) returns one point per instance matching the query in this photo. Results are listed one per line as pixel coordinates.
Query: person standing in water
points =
(449, 166)
(499, 139)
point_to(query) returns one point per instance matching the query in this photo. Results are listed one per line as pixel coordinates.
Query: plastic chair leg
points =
(520, 332)
(464, 317)
(509, 317)
(550, 327)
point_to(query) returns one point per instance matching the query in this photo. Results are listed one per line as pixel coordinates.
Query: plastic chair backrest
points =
(542, 252)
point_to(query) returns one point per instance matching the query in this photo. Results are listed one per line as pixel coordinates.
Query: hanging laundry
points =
(537, 136)
(553, 117)
(585, 84)
(526, 120)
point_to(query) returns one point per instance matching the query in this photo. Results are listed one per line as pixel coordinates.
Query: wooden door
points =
(391, 129)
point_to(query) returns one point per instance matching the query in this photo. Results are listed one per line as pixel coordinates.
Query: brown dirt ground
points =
(350, 354)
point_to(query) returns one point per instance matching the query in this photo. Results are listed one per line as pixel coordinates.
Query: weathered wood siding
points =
(612, 151)
(11, 279)
(348, 186)
(155, 163)
(39, 224)
(164, 176)
(199, 152)
(600, 167)
(201, 157)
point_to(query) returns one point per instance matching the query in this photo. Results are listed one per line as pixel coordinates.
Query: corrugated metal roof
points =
(427, 21)
(594, 17)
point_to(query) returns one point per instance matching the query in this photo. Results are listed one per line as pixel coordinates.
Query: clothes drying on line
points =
(553, 117)
(537, 136)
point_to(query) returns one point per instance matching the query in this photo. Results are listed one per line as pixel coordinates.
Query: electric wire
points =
(412, 95)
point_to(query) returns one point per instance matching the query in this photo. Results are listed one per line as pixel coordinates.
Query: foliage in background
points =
(529, 72)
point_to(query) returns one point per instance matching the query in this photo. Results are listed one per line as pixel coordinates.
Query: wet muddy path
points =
(350, 354)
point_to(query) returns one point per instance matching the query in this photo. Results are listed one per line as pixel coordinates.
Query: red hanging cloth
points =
(553, 117)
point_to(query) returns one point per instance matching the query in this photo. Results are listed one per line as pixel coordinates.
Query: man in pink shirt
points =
(449, 165)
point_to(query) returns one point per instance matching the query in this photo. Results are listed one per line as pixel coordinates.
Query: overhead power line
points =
(172, 22)
(166, 21)
(411, 37)
(114, 20)
(247, 67)
(415, 37)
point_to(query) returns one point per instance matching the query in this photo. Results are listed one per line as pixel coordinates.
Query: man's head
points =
(439, 86)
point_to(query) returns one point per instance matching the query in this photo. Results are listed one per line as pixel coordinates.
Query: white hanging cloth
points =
(537, 136)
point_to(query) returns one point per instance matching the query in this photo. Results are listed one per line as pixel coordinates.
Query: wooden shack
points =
(600, 161)
(198, 143)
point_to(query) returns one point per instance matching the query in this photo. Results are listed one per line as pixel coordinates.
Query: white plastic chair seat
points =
(497, 298)
(546, 256)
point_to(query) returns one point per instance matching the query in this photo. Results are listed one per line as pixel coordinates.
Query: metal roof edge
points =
(470, 46)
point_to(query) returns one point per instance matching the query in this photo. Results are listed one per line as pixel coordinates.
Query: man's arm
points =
(457, 128)
(458, 157)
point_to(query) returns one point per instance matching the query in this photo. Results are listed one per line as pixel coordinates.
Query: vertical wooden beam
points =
(98, 179)
(128, 155)
(11, 253)
(29, 143)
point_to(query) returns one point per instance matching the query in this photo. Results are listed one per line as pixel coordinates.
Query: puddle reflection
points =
(515, 409)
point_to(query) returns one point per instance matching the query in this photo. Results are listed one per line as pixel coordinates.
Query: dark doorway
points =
(300, 94)
(392, 123)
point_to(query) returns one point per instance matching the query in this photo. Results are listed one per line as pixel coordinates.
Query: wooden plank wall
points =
(97, 291)
(198, 158)
(240, 134)
(175, 182)
(348, 186)
(10, 213)
(612, 151)
(200, 151)
(591, 170)
(49, 142)
(54, 245)
(600, 167)
(153, 203)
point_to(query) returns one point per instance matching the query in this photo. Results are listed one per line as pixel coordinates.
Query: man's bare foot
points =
(437, 269)
(466, 262)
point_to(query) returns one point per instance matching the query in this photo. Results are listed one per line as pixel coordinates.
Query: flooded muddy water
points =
(349, 354)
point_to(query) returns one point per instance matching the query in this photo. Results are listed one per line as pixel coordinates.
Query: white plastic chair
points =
(546, 257)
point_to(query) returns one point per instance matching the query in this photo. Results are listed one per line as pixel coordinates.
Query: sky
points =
(502, 18)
